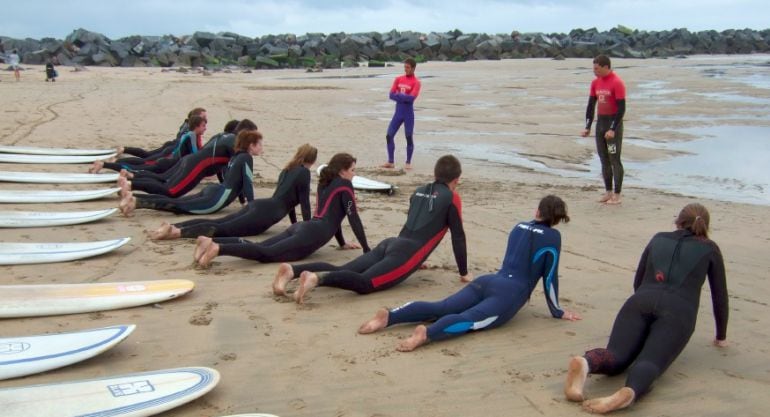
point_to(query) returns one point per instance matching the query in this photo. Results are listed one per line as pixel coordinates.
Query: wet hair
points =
(195, 112)
(306, 154)
(195, 121)
(553, 210)
(245, 124)
(247, 138)
(230, 126)
(411, 62)
(695, 218)
(339, 162)
(603, 61)
(447, 169)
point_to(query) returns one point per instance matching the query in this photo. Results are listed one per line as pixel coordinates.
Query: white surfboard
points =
(26, 355)
(37, 150)
(12, 253)
(252, 415)
(51, 218)
(56, 299)
(363, 183)
(18, 158)
(56, 177)
(135, 395)
(54, 196)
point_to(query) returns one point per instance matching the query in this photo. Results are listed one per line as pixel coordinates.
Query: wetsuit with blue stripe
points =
(293, 189)
(160, 152)
(188, 173)
(656, 322)
(433, 209)
(214, 197)
(334, 202)
(188, 144)
(491, 300)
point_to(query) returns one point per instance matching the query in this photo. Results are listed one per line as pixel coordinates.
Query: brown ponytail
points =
(695, 218)
(339, 162)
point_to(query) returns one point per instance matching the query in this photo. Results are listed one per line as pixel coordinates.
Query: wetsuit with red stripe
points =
(433, 209)
(186, 174)
(335, 201)
(188, 143)
(293, 189)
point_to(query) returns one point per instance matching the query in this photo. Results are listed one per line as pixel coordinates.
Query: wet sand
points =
(280, 358)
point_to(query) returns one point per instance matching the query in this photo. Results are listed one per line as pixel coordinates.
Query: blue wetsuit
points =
(214, 197)
(433, 209)
(491, 300)
(335, 201)
(293, 189)
(404, 92)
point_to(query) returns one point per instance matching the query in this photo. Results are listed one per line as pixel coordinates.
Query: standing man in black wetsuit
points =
(433, 209)
(608, 92)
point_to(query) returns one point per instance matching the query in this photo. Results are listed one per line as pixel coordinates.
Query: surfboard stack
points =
(139, 394)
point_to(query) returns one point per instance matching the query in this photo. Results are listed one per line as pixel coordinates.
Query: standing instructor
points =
(404, 92)
(608, 92)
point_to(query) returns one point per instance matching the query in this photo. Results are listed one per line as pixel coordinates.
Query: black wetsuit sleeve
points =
(458, 240)
(304, 195)
(590, 109)
(355, 221)
(340, 238)
(292, 216)
(641, 268)
(719, 299)
(619, 115)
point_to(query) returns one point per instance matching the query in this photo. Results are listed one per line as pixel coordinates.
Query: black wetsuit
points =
(186, 174)
(433, 209)
(160, 152)
(293, 189)
(655, 324)
(335, 201)
(214, 197)
(161, 161)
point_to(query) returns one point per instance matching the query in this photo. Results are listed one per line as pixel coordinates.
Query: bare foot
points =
(211, 252)
(125, 186)
(201, 244)
(418, 338)
(96, 167)
(119, 150)
(614, 200)
(388, 165)
(622, 398)
(284, 274)
(165, 231)
(307, 281)
(127, 204)
(576, 378)
(408, 166)
(605, 197)
(378, 322)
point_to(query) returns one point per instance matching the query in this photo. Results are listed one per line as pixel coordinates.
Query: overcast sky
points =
(57, 18)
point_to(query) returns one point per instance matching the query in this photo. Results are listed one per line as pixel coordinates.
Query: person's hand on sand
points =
(585, 133)
(351, 245)
(425, 265)
(721, 343)
(467, 277)
(571, 316)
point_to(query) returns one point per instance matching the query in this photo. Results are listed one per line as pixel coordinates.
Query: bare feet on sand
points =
(205, 251)
(127, 204)
(418, 338)
(125, 186)
(201, 243)
(378, 322)
(125, 173)
(307, 281)
(388, 165)
(576, 378)
(284, 274)
(605, 197)
(408, 166)
(614, 200)
(165, 231)
(622, 398)
(119, 150)
(96, 167)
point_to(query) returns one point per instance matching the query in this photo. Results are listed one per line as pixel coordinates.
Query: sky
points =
(38, 19)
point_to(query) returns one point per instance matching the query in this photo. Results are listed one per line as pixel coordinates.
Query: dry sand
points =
(280, 358)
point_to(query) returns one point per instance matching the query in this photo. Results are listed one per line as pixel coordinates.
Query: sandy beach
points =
(280, 358)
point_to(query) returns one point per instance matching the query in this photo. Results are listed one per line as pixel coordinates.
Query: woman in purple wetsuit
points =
(404, 92)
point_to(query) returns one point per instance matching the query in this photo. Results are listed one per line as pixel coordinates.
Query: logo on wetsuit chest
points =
(659, 276)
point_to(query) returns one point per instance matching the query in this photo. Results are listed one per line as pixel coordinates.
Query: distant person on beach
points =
(404, 92)
(656, 322)
(293, 189)
(491, 300)
(237, 183)
(434, 208)
(14, 60)
(50, 72)
(336, 200)
(608, 93)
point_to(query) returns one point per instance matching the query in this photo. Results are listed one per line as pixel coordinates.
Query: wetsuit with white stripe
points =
(433, 209)
(656, 322)
(335, 201)
(293, 189)
(491, 300)
(213, 197)
(187, 173)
